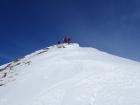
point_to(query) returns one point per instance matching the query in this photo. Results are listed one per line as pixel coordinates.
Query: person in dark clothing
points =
(65, 40)
(69, 40)
(58, 42)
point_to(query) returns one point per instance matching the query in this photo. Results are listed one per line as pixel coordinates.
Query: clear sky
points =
(109, 25)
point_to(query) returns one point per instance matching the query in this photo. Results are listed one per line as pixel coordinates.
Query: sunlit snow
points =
(71, 75)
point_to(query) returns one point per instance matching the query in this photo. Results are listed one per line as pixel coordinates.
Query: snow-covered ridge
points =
(70, 75)
(7, 71)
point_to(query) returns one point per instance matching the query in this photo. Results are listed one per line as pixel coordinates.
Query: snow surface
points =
(71, 75)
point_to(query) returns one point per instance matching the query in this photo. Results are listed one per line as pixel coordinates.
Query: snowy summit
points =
(67, 74)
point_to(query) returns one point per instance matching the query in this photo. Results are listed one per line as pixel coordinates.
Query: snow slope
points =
(70, 76)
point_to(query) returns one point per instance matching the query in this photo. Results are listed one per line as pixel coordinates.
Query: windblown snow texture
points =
(70, 75)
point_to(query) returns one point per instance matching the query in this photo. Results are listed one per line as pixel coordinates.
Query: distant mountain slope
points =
(70, 75)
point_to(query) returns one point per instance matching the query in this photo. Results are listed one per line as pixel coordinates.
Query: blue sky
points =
(109, 25)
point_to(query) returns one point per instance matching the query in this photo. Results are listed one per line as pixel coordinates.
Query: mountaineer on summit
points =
(67, 40)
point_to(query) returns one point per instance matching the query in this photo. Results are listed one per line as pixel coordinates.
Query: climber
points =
(65, 40)
(58, 42)
(69, 40)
